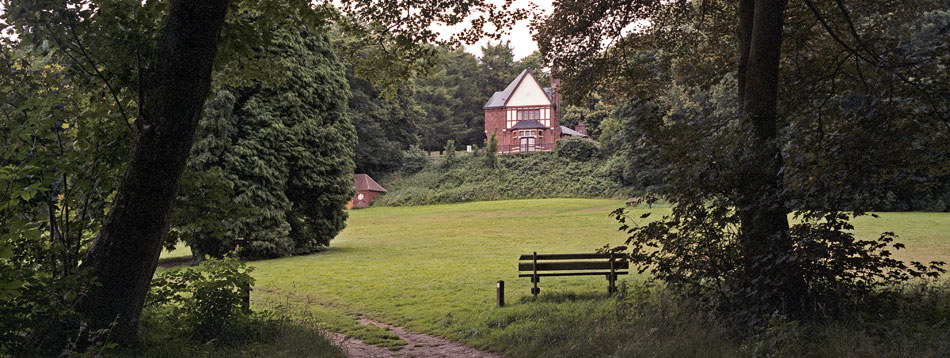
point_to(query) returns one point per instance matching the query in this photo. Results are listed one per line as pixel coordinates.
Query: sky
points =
(519, 36)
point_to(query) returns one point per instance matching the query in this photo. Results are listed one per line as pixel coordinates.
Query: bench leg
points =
(535, 290)
(611, 286)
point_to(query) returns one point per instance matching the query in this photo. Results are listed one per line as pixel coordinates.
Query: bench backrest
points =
(571, 262)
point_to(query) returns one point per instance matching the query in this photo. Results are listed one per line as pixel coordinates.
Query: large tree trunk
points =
(124, 255)
(772, 277)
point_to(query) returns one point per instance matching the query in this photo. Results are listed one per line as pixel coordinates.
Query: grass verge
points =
(272, 335)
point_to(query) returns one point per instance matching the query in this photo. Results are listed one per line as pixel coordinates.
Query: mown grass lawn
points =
(433, 268)
(181, 250)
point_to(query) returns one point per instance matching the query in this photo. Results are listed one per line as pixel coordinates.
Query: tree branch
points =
(95, 67)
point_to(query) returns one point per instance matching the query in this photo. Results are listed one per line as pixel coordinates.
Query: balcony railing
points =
(512, 149)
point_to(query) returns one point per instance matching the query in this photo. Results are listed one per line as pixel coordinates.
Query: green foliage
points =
(72, 81)
(536, 63)
(536, 175)
(282, 155)
(449, 156)
(204, 310)
(491, 151)
(841, 271)
(266, 334)
(699, 248)
(61, 149)
(592, 114)
(414, 160)
(384, 127)
(207, 198)
(578, 149)
(205, 301)
(451, 102)
(496, 68)
(847, 121)
(634, 160)
(387, 42)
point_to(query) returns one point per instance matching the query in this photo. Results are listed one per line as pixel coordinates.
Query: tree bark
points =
(124, 255)
(772, 279)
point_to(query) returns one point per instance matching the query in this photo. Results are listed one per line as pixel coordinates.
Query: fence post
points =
(611, 288)
(534, 276)
(246, 292)
(500, 288)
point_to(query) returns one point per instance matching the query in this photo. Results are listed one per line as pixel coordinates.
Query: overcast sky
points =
(520, 35)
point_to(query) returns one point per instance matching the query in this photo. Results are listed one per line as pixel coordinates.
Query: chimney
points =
(581, 128)
(556, 92)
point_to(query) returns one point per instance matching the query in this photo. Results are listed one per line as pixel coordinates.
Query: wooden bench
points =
(536, 266)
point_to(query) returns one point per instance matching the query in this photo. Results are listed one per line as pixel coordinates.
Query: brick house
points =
(366, 190)
(526, 117)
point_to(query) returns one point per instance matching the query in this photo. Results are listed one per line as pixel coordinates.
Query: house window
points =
(526, 114)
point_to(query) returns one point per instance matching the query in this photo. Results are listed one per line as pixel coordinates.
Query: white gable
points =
(528, 93)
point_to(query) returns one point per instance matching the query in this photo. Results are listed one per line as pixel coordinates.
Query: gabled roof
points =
(363, 182)
(571, 132)
(528, 124)
(498, 99)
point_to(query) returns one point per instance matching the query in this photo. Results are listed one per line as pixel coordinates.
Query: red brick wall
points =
(494, 118)
(368, 197)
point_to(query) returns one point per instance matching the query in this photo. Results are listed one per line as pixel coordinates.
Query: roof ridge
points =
(368, 183)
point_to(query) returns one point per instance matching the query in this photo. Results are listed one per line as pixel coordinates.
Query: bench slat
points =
(572, 265)
(566, 256)
(574, 274)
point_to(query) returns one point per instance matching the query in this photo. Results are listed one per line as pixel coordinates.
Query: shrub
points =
(38, 295)
(576, 149)
(266, 334)
(698, 253)
(203, 311)
(536, 175)
(449, 157)
(204, 301)
(413, 160)
(491, 151)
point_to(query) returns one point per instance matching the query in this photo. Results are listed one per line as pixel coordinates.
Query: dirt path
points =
(418, 345)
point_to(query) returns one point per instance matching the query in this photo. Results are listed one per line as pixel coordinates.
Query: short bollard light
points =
(500, 286)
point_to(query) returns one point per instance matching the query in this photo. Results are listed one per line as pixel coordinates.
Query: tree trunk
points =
(124, 254)
(773, 279)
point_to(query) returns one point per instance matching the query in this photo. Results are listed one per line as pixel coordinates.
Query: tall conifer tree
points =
(284, 152)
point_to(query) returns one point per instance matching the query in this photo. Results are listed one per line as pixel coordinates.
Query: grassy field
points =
(181, 250)
(433, 268)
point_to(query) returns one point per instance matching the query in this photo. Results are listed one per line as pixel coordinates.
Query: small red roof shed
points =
(366, 190)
